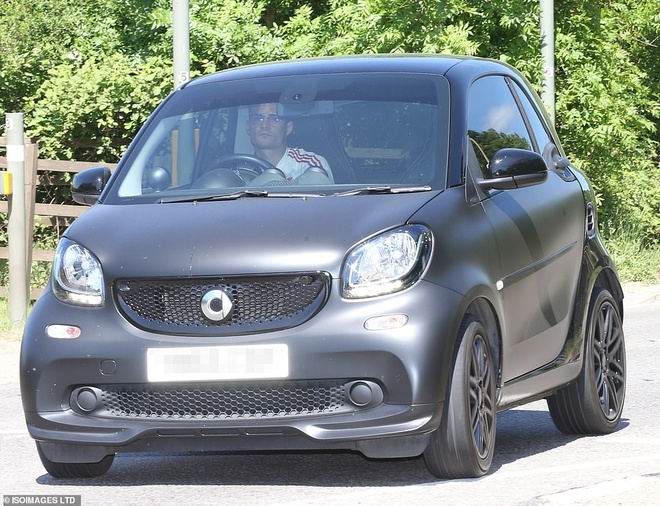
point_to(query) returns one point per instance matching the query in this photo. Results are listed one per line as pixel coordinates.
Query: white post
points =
(181, 41)
(548, 53)
(18, 268)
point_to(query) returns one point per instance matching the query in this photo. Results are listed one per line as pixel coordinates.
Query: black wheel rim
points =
(482, 413)
(609, 360)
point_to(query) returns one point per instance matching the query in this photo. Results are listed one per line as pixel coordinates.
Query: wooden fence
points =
(41, 172)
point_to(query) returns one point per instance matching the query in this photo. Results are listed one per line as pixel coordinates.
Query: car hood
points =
(249, 235)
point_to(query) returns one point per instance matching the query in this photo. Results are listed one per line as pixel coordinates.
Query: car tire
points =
(463, 444)
(75, 469)
(593, 403)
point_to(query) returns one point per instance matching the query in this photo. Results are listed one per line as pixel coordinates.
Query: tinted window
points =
(389, 141)
(540, 133)
(388, 129)
(494, 120)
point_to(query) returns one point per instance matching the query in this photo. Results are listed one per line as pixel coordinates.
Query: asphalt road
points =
(534, 463)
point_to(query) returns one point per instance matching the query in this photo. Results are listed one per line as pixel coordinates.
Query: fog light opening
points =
(85, 399)
(360, 393)
(386, 322)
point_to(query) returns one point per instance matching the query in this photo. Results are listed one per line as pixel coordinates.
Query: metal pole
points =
(181, 42)
(18, 268)
(548, 53)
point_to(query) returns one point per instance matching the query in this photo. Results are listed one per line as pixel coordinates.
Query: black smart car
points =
(361, 253)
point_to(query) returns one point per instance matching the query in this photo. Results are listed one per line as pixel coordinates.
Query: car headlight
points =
(387, 263)
(77, 275)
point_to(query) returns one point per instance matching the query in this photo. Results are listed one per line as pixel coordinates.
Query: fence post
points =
(16, 227)
(31, 181)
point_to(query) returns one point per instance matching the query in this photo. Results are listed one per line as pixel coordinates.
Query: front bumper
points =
(88, 397)
(385, 432)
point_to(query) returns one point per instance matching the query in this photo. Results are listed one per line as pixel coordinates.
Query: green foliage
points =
(635, 260)
(30, 43)
(607, 111)
(427, 26)
(8, 331)
(228, 33)
(89, 80)
(90, 110)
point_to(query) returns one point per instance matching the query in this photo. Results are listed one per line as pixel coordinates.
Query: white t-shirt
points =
(296, 161)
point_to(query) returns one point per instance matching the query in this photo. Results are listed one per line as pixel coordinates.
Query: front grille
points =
(261, 303)
(211, 402)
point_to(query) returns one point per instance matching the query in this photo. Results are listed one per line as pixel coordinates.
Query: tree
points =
(608, 106)
(90, 110)
(88, 82)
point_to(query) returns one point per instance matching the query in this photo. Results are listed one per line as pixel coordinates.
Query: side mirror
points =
(88, 185)
(158, 179)
(512, 168)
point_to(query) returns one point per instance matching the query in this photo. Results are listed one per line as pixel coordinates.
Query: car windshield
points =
(333, 134)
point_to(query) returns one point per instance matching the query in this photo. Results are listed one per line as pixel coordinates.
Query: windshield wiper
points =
(209, 198)
(370, 190)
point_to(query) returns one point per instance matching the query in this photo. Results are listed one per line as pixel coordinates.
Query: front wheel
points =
(463, 445)
(75, 469)
(593, 403)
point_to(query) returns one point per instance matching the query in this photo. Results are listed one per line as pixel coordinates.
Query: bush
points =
(90, 110)
(634, 259)
(88, 82)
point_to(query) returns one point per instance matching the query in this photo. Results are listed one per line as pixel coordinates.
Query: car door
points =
(539, 229)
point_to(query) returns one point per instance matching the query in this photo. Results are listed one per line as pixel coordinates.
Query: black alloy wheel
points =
(463, 445)
(593, 403)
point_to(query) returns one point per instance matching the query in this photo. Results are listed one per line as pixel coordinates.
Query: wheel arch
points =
(592, 277)
(483, 310)
(609, 280)
(604, 277)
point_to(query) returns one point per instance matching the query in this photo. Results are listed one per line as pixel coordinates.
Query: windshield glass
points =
(315, 134)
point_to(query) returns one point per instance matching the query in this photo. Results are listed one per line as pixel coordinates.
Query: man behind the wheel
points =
(268, 133)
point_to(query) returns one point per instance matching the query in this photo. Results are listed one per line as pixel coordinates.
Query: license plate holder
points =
(215, 363)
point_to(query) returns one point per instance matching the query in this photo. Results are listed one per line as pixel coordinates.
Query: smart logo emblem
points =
(217, 306)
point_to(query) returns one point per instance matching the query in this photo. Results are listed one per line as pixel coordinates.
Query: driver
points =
(268, 133)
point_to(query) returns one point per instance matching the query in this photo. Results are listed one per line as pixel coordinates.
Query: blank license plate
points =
(208, 363)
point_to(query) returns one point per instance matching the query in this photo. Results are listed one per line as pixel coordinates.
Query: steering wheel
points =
(244, 164)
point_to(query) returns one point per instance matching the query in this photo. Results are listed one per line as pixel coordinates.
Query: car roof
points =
(415, 63)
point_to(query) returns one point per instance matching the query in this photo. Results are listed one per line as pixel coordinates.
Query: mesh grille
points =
(211, 402)
(260, 303)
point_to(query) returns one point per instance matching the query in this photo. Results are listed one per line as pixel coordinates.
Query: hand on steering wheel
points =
(255, 164)
(236, 170)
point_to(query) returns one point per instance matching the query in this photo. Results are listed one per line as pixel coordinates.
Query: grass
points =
(634, 260)
(7, 330)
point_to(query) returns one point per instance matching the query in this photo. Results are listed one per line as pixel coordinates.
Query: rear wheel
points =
(75, 469)
(463, 445)
(593, 403)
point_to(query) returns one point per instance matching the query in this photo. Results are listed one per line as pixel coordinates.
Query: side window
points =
(536, 124)
(176, 148)
(494, 121)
